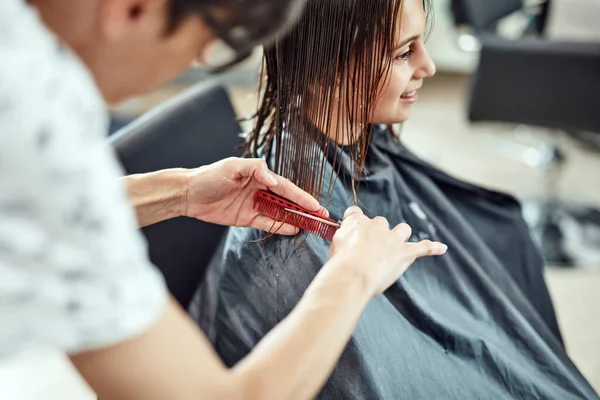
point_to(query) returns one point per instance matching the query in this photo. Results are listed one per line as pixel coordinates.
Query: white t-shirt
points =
(74, 272)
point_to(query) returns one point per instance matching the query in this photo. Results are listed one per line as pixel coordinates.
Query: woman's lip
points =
(409, 97)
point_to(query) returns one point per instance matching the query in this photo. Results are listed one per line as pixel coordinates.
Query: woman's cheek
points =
(399, 81)
(388, 104)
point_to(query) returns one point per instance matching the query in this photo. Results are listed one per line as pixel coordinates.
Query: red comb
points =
(283, 210)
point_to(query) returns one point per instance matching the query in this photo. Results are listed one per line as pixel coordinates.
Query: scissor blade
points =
(324, 221)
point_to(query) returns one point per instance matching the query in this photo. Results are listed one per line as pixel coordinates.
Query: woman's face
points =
(411, 65)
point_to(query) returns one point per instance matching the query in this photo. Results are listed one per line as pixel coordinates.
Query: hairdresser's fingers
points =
(381, 221)
(404, 231)
(254, 168)
(270, 225)
(352, 213)
(426, 248)
(288, 190)
(258, 169)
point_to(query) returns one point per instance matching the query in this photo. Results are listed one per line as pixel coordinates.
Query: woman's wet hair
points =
(329, 68)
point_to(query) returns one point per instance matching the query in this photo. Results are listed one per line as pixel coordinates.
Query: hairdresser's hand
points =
(379, 255)
(223, 193)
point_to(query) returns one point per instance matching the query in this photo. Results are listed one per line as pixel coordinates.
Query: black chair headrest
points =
(484, 14)
(196, 128)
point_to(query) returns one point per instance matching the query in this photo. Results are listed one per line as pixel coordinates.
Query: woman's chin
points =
(398, 118)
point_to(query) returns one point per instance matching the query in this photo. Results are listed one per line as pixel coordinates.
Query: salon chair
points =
(196, 128)
(484, 15)
(475, 17)
(556, 86)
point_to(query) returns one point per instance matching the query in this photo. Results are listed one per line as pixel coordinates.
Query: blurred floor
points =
(440, 133)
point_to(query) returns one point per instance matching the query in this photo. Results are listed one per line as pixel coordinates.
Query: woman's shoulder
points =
(267, 253)
(243, 245)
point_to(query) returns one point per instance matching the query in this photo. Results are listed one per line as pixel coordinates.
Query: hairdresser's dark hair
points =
(243, 24)
(340, 52)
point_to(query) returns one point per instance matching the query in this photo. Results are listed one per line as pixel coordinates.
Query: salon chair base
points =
(589, 140)
(568, 234)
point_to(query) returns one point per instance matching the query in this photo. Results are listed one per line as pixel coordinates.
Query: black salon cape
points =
(476, 323)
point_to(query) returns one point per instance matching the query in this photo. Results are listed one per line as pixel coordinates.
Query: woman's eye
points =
(404, 56)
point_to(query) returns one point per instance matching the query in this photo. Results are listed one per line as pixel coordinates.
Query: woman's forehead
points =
(411, 21)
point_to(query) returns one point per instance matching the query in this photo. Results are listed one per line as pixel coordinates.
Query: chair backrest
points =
(482, 15)
(196, 128)
(537, 82)
(458, 12)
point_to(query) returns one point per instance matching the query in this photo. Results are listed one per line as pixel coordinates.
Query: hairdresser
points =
(74, 274)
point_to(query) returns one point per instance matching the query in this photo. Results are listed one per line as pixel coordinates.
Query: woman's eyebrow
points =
(407, 41)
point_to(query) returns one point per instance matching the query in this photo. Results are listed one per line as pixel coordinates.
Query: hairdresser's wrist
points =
(158, 196)
(345, 270)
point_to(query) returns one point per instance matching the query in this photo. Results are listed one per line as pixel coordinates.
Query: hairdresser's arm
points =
(175, 361)
(220, 193)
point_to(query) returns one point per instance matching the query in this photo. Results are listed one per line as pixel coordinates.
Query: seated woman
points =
(476, 323)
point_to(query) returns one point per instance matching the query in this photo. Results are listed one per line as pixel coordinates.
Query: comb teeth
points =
(275, 207)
